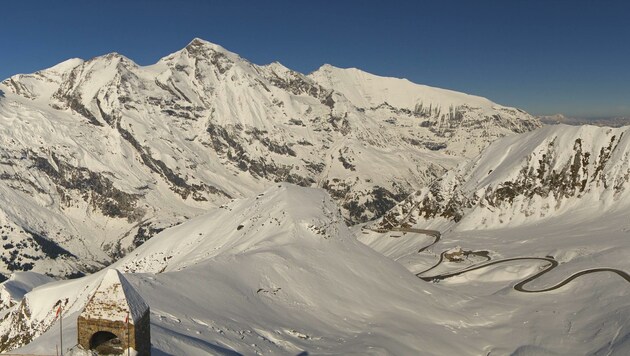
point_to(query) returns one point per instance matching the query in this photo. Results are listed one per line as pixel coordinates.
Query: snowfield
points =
(558, 192)
(291, 279)
(281, 273)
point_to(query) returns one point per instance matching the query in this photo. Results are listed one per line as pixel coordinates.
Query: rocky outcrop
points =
(568, 165)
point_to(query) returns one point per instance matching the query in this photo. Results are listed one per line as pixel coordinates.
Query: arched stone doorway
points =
(106, 343)
(115, 318)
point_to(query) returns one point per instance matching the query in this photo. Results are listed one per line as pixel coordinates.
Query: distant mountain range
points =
(562, 119)
(99, 155)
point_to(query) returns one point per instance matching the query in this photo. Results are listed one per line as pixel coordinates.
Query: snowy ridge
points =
(293, 278)
(41, 85)
(367, 90)
(522, 179)
(558, 194)
(102, 154)
(19, 283)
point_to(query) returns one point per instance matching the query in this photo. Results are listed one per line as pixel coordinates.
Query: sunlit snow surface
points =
(582, 226)
(280, 273)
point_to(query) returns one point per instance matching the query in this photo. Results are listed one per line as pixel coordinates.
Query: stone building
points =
(115, 318)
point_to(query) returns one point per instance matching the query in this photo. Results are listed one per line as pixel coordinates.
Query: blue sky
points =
(546, 57)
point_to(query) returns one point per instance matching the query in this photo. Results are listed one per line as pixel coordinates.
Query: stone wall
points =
(142, 332)
(139, 335)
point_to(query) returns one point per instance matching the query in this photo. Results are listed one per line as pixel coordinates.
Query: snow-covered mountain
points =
(96, 156)
(12, 290)
(562, 119)
(561, 191)
(280, 273)
(524, 179)
(555, 200)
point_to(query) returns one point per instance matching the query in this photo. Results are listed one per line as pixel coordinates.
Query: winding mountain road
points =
(520, 286)
(436, 234)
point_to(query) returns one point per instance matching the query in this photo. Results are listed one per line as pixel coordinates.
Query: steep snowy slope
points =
(278, 273)
(526, 178)
(552, 175)
(98, 155)
(281, 274)
(552, 200)
(19, 283)
(453, 122)
(68, 198)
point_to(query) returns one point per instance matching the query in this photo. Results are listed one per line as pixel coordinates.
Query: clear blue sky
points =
(545, 56)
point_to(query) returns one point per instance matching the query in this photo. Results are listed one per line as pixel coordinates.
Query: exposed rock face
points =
(21, 333)
(104, 152)
(528, 177)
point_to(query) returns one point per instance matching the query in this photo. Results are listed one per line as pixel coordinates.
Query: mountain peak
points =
(111, 58)
(64, 66)
(204, 50)
(278, 67)
(326, 68)
(198, 45)
(331, 68)
(199, 42)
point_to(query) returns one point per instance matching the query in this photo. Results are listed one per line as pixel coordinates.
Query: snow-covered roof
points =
(114, 299)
